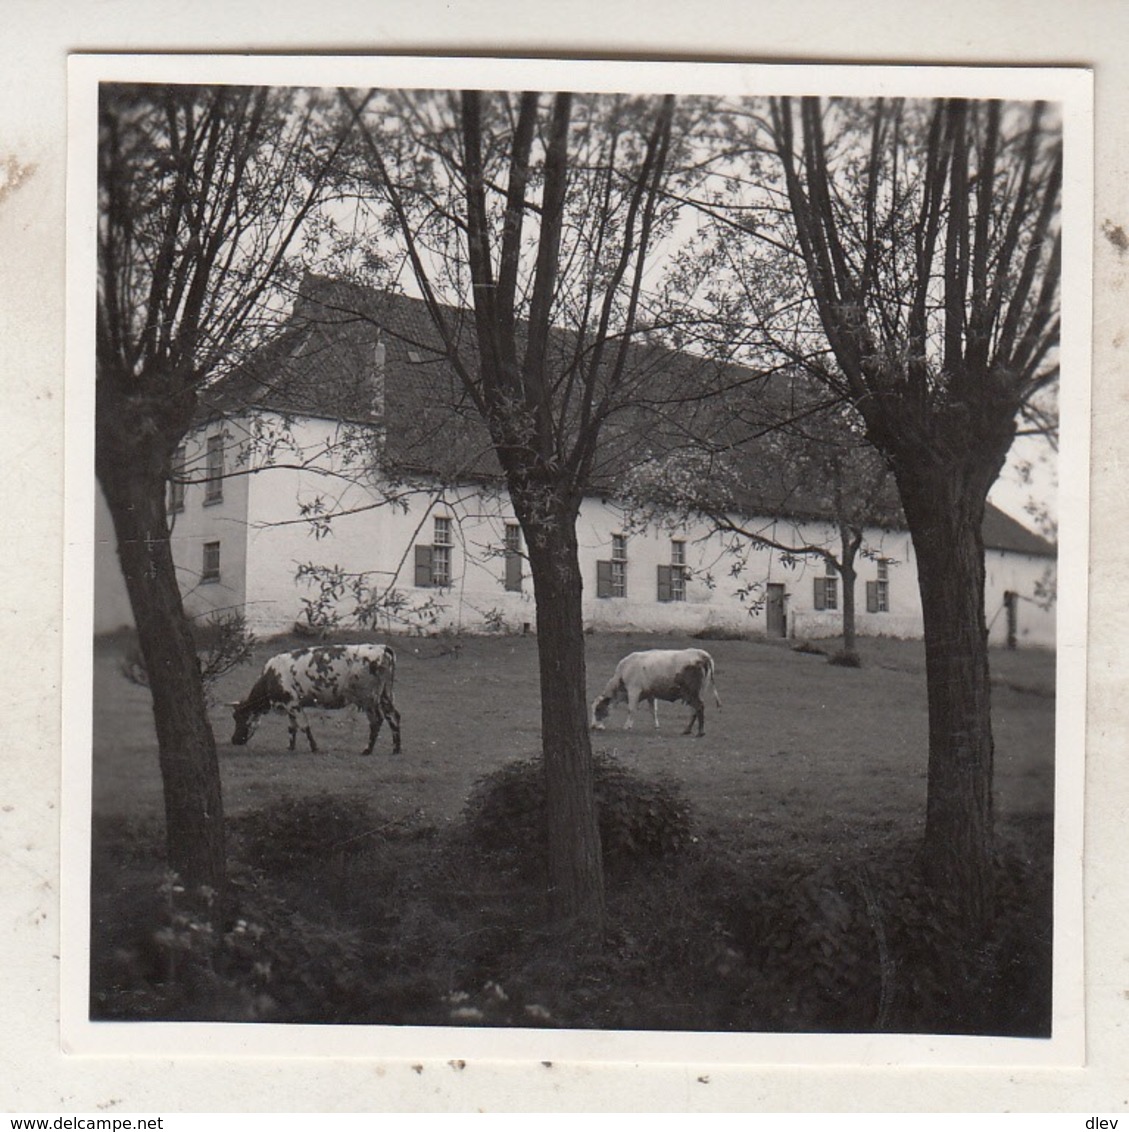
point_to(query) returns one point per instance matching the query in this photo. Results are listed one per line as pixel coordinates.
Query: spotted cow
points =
(328, 676)
(659, 674)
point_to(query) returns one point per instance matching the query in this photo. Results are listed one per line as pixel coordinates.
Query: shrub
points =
(638, 817)
(494, 621)
(134, 836)
(845, 659)
(719, 633)
(809, 649)
(725, 935)
(862, 943)
(222, 640)
(268, 963)
(293, 832)
(806, 933)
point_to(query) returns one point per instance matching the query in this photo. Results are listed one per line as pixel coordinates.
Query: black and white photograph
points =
(577, 549)
(564, 558)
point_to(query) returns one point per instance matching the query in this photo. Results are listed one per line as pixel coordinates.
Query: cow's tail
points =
(390, 683)
(711, 682)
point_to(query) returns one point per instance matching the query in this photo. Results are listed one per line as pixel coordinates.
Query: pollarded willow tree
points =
(201, 193)
(930, 242)
(544, 217)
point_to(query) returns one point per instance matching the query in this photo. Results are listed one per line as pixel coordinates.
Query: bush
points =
(845, 659)
(267, 963)
(809, 649)
(347, 916)
(294, 832)
(719, 633)
(638, 817)
(862, 943)
(222, 641)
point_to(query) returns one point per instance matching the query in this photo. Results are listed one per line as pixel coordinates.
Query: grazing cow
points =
(659, 674)
(329, 676)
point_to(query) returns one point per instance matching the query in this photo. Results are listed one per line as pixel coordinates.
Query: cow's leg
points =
(292, 727)
(306, 729)
(655, 711)
(393, 717)
(699, 716)
(375, 719)
(632, 704)
(377, 713)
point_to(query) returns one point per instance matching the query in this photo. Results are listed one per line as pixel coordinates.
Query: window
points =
(883, 586)
(677, 570)
(211, 568)
(213, 477)
(176, 479)
(441, 553)
(878, 592)
(611, 575)
(433, 563)
(672, 578)
(827, 588)
(513, 557)
(619, 566)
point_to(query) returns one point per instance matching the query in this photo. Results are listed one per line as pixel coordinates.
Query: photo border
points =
(1072, 87)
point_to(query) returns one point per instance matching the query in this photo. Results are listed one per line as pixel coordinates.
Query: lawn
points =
(798, 745)
(806, 797)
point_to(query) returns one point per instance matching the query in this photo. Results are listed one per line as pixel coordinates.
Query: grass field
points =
(799, 746)
(806, 767)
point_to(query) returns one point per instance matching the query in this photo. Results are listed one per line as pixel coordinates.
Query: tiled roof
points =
(1002, 532)
(324, 364)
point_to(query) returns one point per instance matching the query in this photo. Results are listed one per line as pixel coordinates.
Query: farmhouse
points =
(342, 469)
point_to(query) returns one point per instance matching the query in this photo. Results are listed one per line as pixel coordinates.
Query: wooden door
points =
(775, 618)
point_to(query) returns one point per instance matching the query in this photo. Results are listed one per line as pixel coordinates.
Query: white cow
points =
(329, 676)
(659, 674)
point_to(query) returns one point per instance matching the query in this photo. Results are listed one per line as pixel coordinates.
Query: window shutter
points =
(664, 587)
(513, 572)
(872, 597)
(603, 579)
(423, 566)
(820, 594)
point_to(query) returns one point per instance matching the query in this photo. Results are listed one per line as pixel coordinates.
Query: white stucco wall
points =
(191, 527)
(202, 521)
(728, 590)
(323, 468)
(264, 542)
(1028, 576)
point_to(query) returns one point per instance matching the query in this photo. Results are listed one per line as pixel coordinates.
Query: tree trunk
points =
(945, 515)
(576, 875)
(134, 488)
(849, 578)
